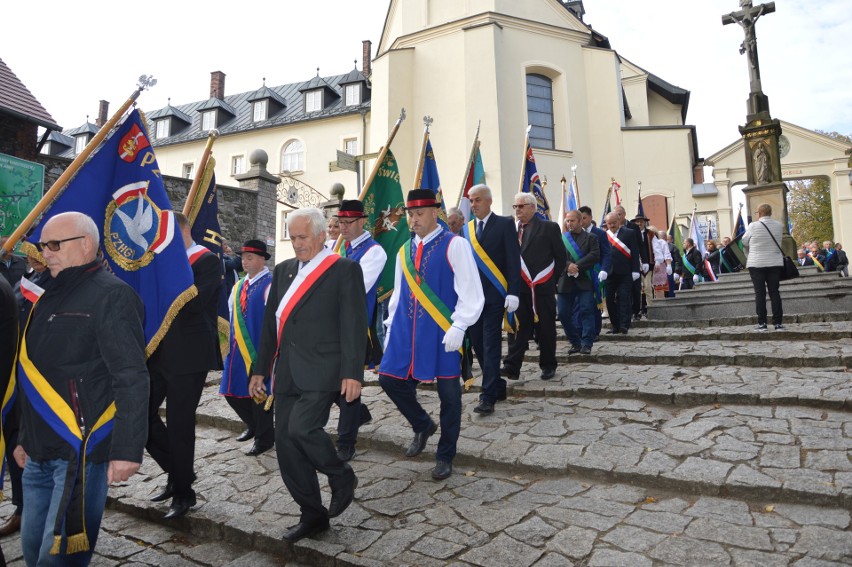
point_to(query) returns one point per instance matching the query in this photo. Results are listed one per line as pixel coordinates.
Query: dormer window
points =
(163, 128)
(80, 143)
(260, 110)
(313, 100)
(353, 94)
(208, 120)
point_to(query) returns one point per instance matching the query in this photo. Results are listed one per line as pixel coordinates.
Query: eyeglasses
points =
(349, 222)
(54, 245)
(521, 206)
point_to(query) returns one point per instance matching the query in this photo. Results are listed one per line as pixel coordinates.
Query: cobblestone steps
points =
(485, 518)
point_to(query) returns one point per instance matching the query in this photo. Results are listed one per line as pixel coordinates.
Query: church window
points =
(293, 156)
(540, 110)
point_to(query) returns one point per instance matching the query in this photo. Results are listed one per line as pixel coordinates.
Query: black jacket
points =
(500, 241)
(619, 264)
(14, 271)
(590, 253)
(85, 337)
(543, 245)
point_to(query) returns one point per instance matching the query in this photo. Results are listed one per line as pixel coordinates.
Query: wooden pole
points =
(469, 163)
(205, 157)
(524, 160)
(427, 122)
(59, 186)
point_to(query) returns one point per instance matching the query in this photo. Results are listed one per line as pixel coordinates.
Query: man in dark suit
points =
(8, 348)
(637, 225)
(622, 270)
(498, 258)
(178, 371)
(314, 331)
(543, 258)
(692, 271)
(576, 285)
(605, 248)
(803, 259)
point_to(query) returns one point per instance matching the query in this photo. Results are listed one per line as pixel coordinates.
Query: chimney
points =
(698, 174)
(217, 85)
(103, 112)
(366, 69)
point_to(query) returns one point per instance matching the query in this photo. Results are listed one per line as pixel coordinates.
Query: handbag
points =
(789, 270)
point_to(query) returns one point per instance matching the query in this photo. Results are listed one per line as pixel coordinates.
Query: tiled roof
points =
(16, 99)
(293, 112)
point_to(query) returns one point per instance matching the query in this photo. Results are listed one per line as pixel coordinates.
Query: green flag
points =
(386, 220)
(677, 237)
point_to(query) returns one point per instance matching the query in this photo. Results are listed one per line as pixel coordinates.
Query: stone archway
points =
(805, 154)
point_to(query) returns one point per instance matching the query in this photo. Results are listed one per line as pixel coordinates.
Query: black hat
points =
(420, 198)
(256, 247)
(351, 209)
(641, 216)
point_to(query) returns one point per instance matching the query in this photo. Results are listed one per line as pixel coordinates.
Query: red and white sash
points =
(31, 291)
(533, 282)
(618, 244)
(195, 252)
(303, 281)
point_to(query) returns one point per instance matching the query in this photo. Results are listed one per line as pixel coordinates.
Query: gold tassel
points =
(176, 306)
(268, 405)
(77, 543)
(57, 543)
(468, 383)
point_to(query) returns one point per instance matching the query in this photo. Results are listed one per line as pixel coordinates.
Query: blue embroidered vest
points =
(356, 254)
(235, 375)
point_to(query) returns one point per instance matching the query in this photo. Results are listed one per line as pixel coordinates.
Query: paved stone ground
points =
(669, 461)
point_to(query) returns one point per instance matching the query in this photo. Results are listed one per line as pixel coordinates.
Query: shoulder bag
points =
(789, 270)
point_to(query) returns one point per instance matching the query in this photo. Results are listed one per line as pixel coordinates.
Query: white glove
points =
(511, 304)
(635, 276)
(602, 276)
(644, 268)
(453, 339)
(668, 270)
(695, 278)
(676, 278)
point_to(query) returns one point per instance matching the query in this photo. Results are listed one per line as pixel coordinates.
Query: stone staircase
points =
(682, 443)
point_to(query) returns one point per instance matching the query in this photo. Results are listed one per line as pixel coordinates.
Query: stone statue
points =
(747, 18)
(760, 163)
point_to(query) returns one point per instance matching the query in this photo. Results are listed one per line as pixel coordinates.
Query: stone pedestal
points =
(259, 179)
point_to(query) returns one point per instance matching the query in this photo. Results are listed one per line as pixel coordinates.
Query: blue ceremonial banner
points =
(429, 180)
(532, 184)
(122, 189)
(571, 197)
(204, 220)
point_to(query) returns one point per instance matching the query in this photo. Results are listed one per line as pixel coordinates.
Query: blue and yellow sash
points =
(492, 273)
(430, 301)
(56, 412)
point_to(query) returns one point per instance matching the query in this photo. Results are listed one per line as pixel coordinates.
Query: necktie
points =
(521, 233)
(479, 228)
(244, 297)
(418, 256)
(303, 265)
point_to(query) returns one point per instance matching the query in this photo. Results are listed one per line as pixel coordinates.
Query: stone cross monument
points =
(761, 132)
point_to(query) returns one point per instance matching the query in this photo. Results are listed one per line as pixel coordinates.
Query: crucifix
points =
(747, 18)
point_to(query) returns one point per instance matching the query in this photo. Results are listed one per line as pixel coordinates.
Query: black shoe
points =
(246, 435)
(442, 470)
(484, 407)
(346, 453)
(574, 349)
(305, 529)
(419, 442)
(501, 397)
(366, 416)
(179, 507)
(506, 372)
(637, 317)
(613, 331)
(622, 331)
(259, 448)
(548, 373)
(342, 497)
(586, 350)
(167, 493)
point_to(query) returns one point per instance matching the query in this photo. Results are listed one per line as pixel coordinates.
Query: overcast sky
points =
(72, 54)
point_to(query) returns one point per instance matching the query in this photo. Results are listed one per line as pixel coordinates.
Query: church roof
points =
(17, 100)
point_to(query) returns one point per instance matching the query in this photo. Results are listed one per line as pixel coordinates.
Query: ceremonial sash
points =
(430, 301)
(618, 244)
(195, 252)
(8, 402)
(56, 412)
(574, 251)
(533, 282)
(689, 267)
(296, 293)
(485, 264)
(30, 290)
(817, 262)
(241, 332)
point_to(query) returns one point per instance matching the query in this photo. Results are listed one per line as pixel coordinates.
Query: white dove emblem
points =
(137, 226)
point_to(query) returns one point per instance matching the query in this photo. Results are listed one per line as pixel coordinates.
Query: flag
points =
(739, 226)
(204, 219)
(696, 236)
(641, 210)
(615, 188)
(121, 188)
(677, 237)
(386, 220)
(607, 207)
(428, 176)
(474, 176)
(571, 196)
(531, 183)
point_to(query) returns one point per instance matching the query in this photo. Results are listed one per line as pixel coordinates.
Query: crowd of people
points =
(301, 337)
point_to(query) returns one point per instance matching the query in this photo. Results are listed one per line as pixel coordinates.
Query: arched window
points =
(293, 156)
(540, 110)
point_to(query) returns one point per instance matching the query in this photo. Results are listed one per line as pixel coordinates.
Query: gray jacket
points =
(762, 251)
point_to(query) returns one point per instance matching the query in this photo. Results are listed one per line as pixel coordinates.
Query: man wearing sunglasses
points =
(84, 389)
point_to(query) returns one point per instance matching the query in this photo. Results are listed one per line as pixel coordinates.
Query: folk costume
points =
(246, 304)
(436, 286)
